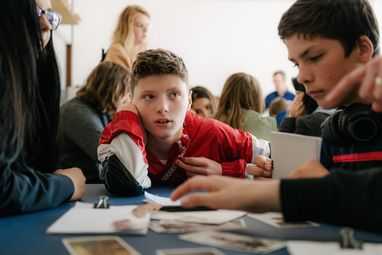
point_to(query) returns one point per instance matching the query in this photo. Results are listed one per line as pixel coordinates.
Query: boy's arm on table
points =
(123, 155)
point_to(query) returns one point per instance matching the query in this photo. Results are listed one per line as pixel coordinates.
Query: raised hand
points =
(262, 168)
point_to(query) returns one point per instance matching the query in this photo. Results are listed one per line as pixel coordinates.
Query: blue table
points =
(25, 234)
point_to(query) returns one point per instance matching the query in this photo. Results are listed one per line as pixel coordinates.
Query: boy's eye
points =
(174, 94)
(148, 97)
(315, 58)
(295, 65)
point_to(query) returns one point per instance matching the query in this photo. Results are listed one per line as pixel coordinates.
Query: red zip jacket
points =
(201, 137)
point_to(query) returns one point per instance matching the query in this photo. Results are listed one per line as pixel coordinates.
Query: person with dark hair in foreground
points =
(29, 99)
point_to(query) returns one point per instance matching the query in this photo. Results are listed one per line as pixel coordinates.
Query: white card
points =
(164, 201)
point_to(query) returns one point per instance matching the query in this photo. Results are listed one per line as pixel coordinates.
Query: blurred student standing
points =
(130, 36)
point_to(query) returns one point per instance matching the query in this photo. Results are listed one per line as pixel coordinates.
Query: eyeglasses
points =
(54, 18)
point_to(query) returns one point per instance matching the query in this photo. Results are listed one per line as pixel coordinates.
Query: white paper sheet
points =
(330, 248)
(165, 201)
(83, 218)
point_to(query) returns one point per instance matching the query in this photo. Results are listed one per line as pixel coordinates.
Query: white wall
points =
(214, 37)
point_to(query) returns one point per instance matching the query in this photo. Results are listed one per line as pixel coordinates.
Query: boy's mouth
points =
(163, 121)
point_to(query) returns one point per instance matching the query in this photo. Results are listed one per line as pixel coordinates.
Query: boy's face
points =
(321, 64)
(162, 101)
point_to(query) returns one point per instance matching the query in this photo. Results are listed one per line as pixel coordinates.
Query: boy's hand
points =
(309, 169)
(262, 168)
(128, 107)
(200, 166)
(229, 193)
(133, 108)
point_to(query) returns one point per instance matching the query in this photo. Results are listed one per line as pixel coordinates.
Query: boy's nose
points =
(304, 77)
(163, 106)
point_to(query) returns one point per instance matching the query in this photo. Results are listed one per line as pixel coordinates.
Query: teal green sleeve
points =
(25, 190)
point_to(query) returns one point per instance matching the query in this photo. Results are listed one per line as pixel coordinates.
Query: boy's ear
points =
(365, 49)
(189, 100)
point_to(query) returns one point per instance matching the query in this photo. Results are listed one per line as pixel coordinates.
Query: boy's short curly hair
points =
(157, 62)
(342, 20)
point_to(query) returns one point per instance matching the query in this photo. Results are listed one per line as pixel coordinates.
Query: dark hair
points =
(29, 91)
(106, 84)
(202, 92)
(309, 103)
(342, 20)
(157, 62)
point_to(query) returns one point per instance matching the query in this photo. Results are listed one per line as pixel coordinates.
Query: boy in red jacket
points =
(156, 140)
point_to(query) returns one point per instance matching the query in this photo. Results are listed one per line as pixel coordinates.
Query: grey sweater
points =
(80, 129)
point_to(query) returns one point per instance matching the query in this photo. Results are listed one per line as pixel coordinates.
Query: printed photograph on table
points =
(233, 241)
(277, 220)
(99, 245)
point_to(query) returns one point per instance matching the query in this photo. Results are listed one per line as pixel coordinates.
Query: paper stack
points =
(83, 218)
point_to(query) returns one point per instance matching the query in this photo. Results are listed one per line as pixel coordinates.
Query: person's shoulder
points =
(251, 114)
(314, 119)
(76, 106)
(74, 103)
(199, 125)
(192, 120)
(117, 54)
(289, 95)
(116, 47)
(272, 94)
(314, 116)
